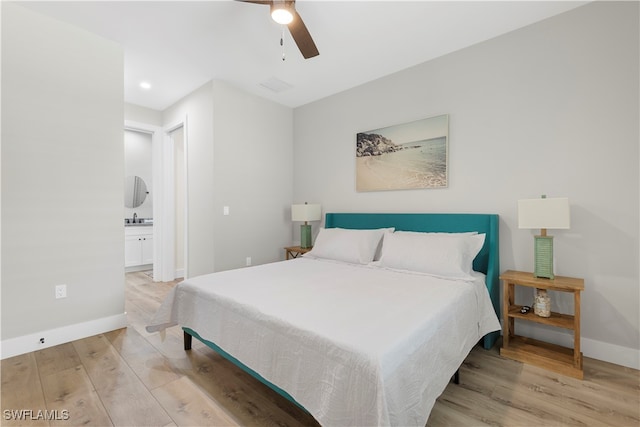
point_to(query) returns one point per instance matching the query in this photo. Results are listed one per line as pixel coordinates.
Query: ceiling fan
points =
(284, 12)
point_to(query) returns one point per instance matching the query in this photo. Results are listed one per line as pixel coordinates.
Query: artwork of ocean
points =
(418, 164)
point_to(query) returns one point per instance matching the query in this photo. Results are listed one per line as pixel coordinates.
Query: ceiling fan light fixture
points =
(281, 12)
(284, 13)
(282, 16)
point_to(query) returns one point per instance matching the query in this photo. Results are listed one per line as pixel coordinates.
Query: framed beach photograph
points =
(406, 156)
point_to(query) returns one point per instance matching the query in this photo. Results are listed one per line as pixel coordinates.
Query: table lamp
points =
(543, 213)
(305, 213)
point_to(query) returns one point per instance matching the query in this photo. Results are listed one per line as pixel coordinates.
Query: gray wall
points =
(252, 163)
(551, 108)
(62, 169)
(548, 109)
(239, 150)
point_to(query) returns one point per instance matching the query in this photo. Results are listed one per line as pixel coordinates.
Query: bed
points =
(355, 332)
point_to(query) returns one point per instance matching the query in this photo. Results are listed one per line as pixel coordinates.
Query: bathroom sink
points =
(128, 222)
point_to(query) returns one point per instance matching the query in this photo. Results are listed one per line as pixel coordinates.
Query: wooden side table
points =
(556, 358)
(295, 251)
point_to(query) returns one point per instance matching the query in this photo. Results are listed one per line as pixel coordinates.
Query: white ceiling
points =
(177, 46)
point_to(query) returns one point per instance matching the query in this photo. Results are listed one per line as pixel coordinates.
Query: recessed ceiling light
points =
(145, 85)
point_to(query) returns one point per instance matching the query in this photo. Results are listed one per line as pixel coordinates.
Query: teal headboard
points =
(487, 261)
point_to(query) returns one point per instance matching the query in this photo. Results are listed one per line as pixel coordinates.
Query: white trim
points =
(135, 268)
(611, 353)
(141, 127)
(607, 352)
(168, 250)
(28, 343)
(167, 208)
(185, 138)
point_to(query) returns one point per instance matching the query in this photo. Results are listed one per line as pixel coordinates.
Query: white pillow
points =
(422, 233)
(447, 255)
(341, 244)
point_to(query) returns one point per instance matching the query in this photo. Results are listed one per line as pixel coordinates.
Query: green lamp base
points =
(305, 236)
(543, 265)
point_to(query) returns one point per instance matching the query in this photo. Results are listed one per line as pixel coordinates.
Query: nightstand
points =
(295, 251)
(556, 358)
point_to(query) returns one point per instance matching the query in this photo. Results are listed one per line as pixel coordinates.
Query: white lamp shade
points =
(543, 213)
(306, 212)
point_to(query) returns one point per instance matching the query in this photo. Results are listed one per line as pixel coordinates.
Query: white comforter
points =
(355, 345)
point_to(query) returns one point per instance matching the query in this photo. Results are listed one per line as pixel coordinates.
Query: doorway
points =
(170, 198)
(138, 201)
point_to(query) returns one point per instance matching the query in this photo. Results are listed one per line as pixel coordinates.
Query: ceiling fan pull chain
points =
(282, 42)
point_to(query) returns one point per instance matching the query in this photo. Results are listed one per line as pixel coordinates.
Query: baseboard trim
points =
(28, 343)
(135, 268)
(612, 353)
(607, 352)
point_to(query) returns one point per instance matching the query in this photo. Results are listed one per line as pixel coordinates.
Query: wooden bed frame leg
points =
(187, 341)
(456, 377)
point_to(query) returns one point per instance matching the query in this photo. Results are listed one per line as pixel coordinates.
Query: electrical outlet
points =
(61, 291)
(225, 210)
(41, 340)
(248, 261)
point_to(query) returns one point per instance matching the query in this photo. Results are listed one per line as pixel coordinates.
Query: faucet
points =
(135, 215)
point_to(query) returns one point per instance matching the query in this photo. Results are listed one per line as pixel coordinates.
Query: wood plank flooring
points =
(129, 377)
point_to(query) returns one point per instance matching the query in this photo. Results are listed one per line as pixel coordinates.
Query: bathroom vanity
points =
(138, 245)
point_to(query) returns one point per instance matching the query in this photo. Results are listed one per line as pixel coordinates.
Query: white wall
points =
(239, 154)
(253, 155)
(62, 192)
(136, 113)
(137, 162)
(549, 109)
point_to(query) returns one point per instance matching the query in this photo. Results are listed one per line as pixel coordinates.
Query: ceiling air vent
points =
(275, 85)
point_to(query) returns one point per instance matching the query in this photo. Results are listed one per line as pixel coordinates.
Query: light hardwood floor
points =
(129, 377)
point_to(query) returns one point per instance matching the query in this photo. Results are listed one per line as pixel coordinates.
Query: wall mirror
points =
(135, 191)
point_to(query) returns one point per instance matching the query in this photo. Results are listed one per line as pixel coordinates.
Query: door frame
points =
(168, 177)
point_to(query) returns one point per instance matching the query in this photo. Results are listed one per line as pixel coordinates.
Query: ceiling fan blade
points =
(302, 37)
(266, 2)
